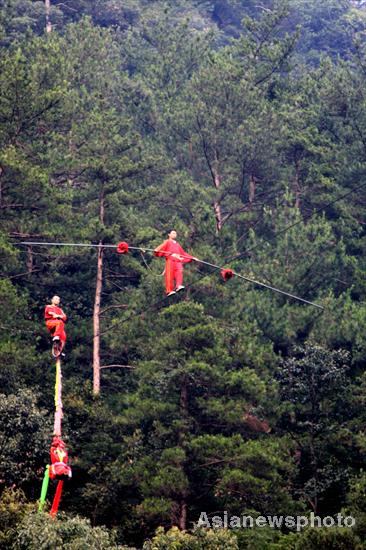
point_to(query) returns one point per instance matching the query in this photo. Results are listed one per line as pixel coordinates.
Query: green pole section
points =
(46, 479)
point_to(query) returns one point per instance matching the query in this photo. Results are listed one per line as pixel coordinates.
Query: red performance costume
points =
(56, 326)
(59, 468)
(173, 265)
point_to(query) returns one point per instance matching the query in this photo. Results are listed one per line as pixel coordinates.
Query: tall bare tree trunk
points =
(29, 259)
(1, 186)
(183, 516)
(96, 311)
(217, 205)
(182, 434)
(297, 185)
(217, 184)
(252, 187)
(47, 4)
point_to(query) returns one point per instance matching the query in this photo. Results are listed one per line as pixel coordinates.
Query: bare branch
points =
(118, 306)
(117, 367)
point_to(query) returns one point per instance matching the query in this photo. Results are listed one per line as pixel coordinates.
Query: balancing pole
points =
(274, 289)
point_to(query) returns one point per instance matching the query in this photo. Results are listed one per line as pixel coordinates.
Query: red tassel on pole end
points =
(122, 248)
(57, 498)
(227, 274)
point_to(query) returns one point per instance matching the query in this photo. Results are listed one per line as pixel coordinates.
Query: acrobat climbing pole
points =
(59, 468)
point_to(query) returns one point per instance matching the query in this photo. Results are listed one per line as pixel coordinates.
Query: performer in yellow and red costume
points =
(175, 257)
(59, 468)
(55, 321)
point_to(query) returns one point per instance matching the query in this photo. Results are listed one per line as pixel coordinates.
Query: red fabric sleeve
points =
(46, 313)
(63, 316)
(186, 257)
(162, 249)
(56, 310)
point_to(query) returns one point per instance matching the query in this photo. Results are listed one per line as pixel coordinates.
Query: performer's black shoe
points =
(180, 287)
(171, 293)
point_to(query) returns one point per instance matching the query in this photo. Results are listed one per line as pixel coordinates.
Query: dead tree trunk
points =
(217, 205)
(47, 4)
(183, 515)
(252, 189)
(1, 186)
(182, 437)
(297, 185)
(29, 259)
(96, 311)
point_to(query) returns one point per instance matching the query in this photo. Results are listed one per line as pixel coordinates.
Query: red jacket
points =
(54, 309)
(169, 247)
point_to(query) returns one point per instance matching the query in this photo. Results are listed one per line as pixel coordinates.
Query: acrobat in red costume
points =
(59, 468)
(55, 321)
(175, 257)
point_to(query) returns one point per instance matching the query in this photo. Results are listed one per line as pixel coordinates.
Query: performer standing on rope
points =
(175, 257)
(55, 322)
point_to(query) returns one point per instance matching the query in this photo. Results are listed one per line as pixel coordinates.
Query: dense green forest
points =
(241, 124)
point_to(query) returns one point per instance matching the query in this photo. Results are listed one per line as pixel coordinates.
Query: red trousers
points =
(173, 272)
(57, 328)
